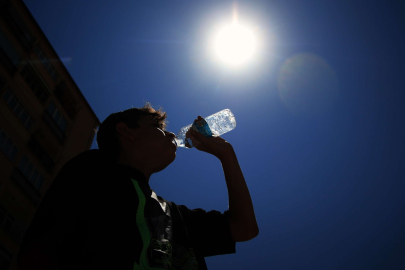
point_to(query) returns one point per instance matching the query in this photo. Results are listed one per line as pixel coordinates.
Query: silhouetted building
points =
(44, 121)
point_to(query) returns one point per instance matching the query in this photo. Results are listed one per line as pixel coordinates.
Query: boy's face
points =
(156, 145)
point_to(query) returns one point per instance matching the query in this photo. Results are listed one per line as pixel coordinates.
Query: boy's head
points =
(110, 133)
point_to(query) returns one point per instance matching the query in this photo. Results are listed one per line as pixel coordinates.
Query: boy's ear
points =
(124, 131)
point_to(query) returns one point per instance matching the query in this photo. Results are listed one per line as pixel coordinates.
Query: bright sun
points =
(234, 44)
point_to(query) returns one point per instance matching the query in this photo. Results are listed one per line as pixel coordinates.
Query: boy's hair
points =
(107, 135)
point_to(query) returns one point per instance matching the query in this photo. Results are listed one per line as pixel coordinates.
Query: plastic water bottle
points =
(213, 125)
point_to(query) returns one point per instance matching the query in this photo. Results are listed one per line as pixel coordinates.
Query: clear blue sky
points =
(328, 186)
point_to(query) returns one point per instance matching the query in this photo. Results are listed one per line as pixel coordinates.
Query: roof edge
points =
(61, 63)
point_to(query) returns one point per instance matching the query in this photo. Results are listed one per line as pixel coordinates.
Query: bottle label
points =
(202, 127)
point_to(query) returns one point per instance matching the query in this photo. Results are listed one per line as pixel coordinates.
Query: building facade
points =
(44, 121)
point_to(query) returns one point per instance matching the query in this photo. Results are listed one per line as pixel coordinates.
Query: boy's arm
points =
(242, 219)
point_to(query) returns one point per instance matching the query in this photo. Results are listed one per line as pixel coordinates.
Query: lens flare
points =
(307, 84)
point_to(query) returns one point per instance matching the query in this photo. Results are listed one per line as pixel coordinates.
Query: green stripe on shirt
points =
(143, 230)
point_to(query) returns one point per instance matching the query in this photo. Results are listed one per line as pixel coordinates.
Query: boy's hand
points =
(212, 145)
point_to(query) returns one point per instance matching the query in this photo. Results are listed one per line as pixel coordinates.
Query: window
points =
(19, 111)
(31, 173)
(47, 64)
(35, 85)
(9, 225)
(7, 146)
(9, 58)
(21, 25)
(18, 27)
(67, 99)
(8, 49)
(42, 155)
(57, 116)
(2, 82)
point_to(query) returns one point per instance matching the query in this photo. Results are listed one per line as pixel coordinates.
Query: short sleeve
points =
(209, 232)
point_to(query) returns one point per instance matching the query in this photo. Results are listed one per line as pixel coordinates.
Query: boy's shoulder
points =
(93, 157)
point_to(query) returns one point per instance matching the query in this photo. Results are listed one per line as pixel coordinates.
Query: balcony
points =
(7, 63)
(36, 83)
(26, 186)
(41, 154)
(17, 26)
(66, 99)
(54, 126)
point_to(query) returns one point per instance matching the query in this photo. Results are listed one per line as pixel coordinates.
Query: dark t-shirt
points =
(105, 215)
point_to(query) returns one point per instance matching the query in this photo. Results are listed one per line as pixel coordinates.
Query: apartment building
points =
(44, 121)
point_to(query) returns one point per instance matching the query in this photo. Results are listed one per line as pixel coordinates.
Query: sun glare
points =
(234, 44)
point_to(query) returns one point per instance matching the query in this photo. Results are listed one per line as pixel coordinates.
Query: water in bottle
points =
(213, 125)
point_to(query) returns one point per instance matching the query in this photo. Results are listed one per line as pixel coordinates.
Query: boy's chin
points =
(167, 164)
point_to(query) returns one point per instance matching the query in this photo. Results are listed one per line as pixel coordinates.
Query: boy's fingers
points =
(198, 136)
